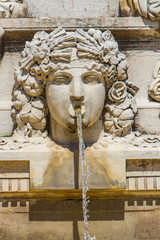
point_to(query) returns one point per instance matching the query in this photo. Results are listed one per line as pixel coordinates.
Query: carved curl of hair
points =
(47, 53)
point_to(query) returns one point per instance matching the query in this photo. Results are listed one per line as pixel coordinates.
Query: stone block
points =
(14, 185)
(6, 123)
(148, 119)
(60, 169)
(9, 61)
(73, 9)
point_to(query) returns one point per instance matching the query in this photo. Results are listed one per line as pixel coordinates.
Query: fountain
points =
(85, 174)
(70, 82)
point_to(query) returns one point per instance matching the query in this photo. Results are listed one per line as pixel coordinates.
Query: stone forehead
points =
(80, 64)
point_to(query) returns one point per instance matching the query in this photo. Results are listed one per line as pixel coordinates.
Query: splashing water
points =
(85, 175)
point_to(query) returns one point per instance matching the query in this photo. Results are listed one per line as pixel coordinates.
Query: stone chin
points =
(71, 122)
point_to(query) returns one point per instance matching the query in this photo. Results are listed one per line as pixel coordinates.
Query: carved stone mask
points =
(70, 69)
(74, 87)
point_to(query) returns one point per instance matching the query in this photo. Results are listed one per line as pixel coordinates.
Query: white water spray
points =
(85, 175)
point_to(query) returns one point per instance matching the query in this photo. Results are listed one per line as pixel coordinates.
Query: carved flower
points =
(32, 86)
(39, 37)
(35, 113)
(119, 119)
(154, 90)
(20, 99)
(117, 92)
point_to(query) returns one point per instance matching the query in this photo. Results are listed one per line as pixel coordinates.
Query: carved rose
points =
(154, 90)
(117, 92)
(33, 86)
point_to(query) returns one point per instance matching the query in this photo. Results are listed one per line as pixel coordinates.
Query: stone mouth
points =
(72, 109)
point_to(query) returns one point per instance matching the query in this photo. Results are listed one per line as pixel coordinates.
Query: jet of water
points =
(85, 175)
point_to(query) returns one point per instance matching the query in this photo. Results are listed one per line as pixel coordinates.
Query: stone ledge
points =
(59, 169)
(125, 30)
(77, 194)
(47, 23)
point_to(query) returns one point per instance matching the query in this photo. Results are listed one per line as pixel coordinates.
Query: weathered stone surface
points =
(59, 168)
(148, 112)
(62, 219)
(9, 61)
(67, 8)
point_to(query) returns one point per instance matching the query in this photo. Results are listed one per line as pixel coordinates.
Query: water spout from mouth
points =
(72, 110)
(85, 174)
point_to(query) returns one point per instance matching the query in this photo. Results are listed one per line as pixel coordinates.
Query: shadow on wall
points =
(71, 210)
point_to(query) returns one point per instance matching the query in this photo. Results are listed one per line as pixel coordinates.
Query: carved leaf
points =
(118, 132)
(117, 112)
(17, 105)
(26, 108)
(38, 104)
(127, 128)
(126, 104)
(125, 123)
(40, 125)
(37, 113)
(108, 125)
(127, 115)
(25, 117)
(131, 88)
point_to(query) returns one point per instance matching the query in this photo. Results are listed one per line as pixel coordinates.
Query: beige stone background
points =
(74, 8)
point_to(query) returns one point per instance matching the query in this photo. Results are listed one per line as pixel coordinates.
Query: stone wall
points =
(74, 9)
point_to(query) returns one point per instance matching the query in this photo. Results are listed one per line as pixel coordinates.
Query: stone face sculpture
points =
(148, 9)
(63, 70)
(12, 9)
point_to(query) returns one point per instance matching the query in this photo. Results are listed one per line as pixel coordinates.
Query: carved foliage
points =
(121, 110)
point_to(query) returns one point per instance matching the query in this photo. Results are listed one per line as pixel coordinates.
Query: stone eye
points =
(91, 79)
(61, 80)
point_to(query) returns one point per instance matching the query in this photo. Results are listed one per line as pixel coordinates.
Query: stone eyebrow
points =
(96, 66)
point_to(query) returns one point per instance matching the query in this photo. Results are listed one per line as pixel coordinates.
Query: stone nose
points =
(77, 91)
